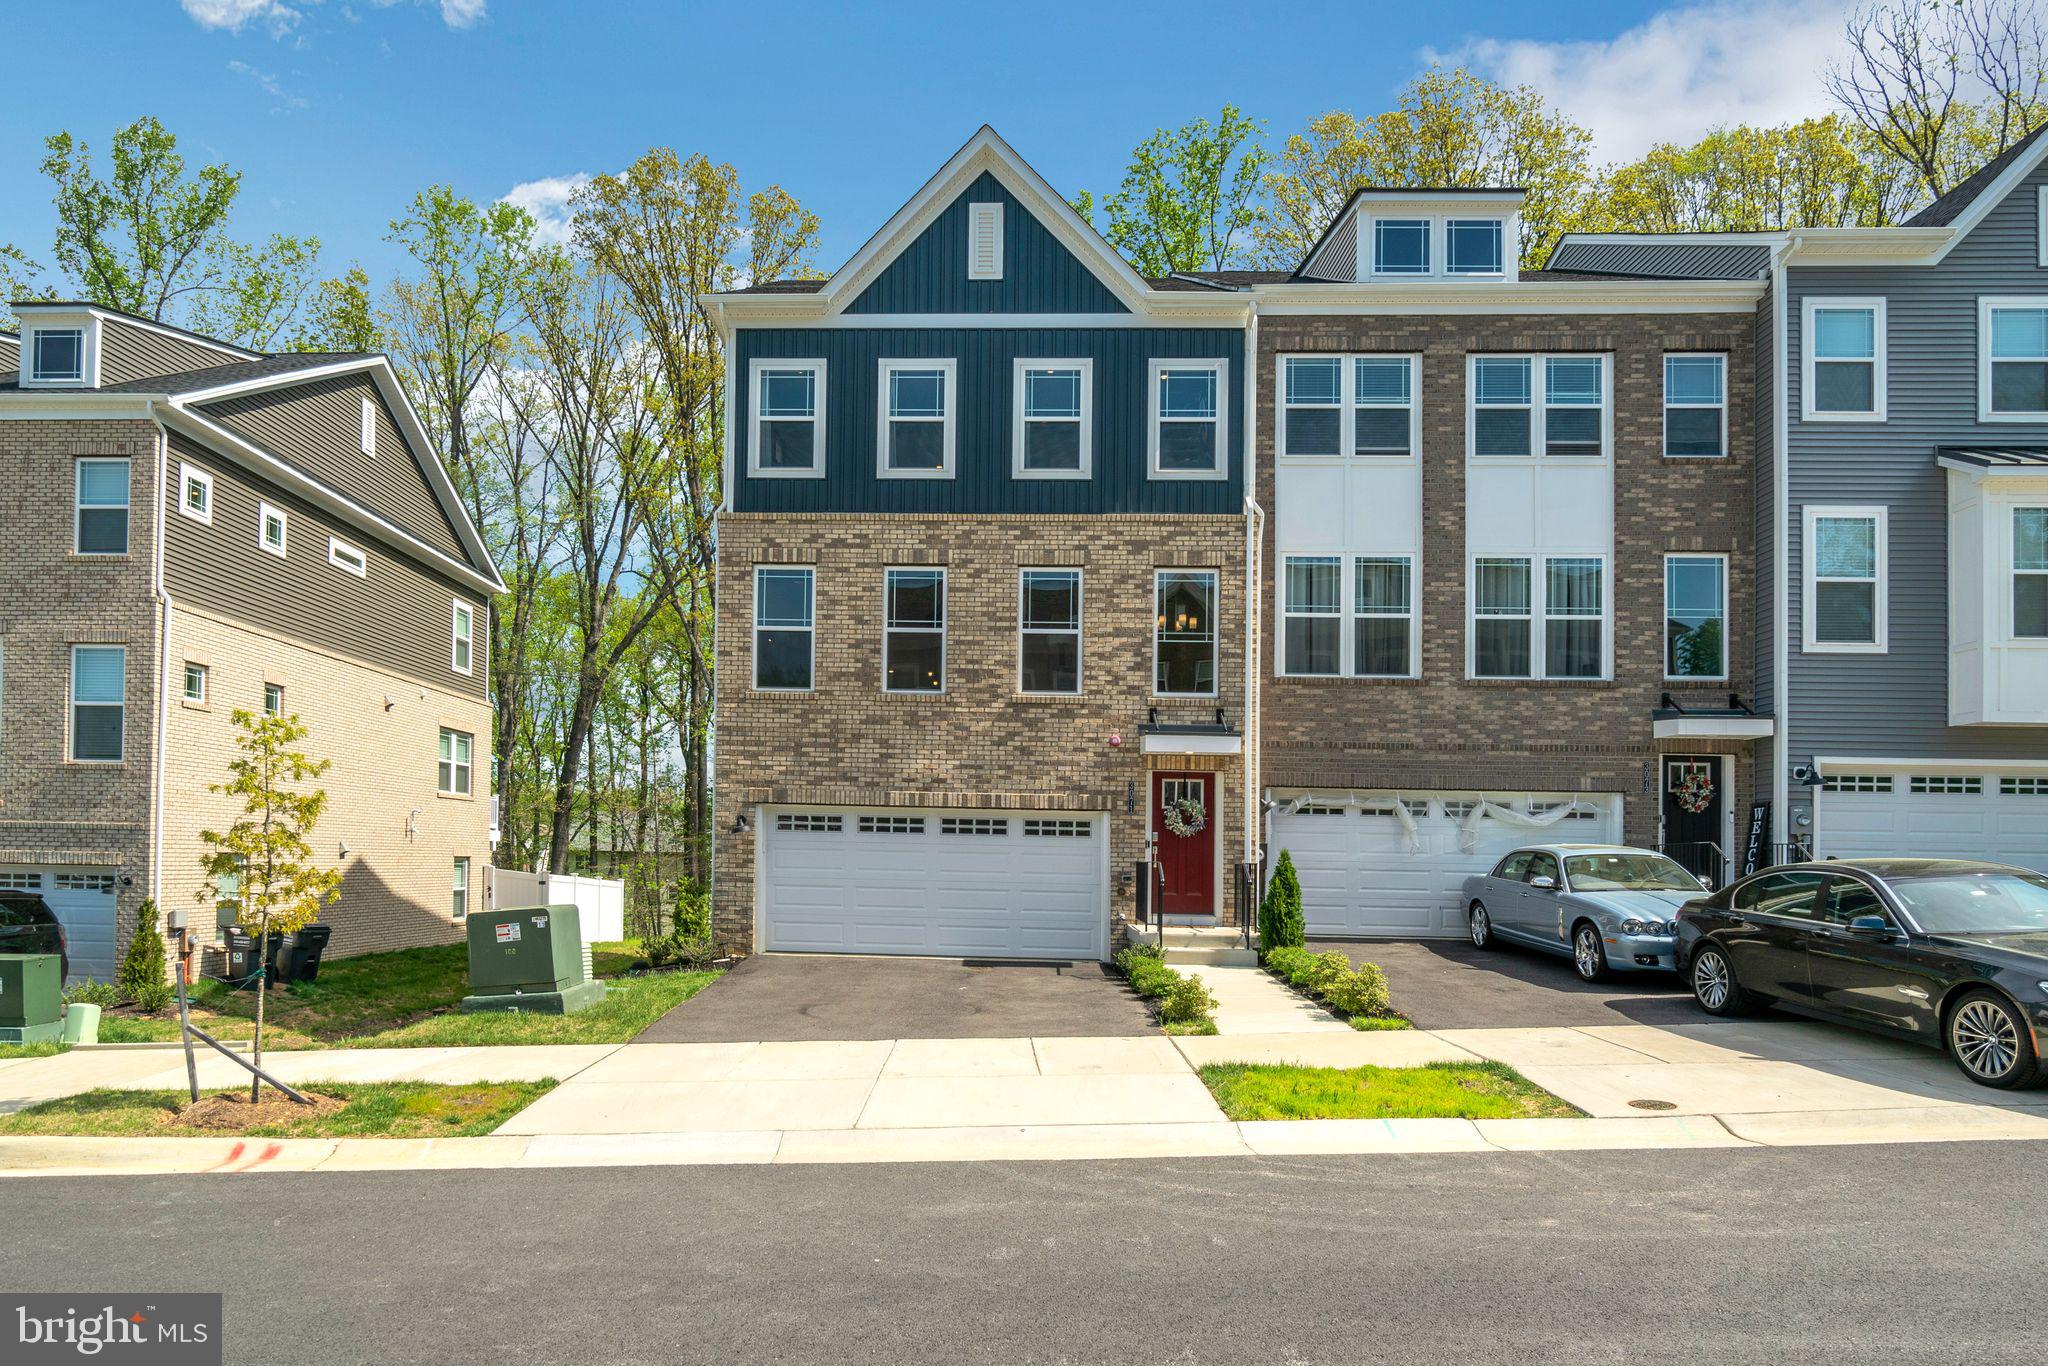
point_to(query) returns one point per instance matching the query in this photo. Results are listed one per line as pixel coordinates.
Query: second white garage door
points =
(1932, 811)
(1360, 875)
(967, 884)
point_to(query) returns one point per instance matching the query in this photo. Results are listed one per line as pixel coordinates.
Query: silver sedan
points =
(1606, 907)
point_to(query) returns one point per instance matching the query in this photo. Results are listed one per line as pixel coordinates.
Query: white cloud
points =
(547, 200)
(454, 13)
(269, 85)
(1679, 74)
(235, 15)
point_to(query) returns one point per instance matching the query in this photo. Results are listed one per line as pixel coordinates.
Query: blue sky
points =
(337, 112)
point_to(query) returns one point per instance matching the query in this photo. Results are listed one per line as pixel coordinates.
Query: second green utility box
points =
(530, 959)
(31, 997)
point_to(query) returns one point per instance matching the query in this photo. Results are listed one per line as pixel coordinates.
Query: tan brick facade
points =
(980, 743)
(1443, 731)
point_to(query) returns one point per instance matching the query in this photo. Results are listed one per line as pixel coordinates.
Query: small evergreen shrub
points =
(142, 967)
(1280, 922)
(153, 998)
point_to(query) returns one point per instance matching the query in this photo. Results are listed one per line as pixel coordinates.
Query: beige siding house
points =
(202, 529)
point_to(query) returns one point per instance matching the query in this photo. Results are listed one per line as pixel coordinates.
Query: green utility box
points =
(529, 958)
(31, 997)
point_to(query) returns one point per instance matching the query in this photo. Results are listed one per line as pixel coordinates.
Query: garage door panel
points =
(1992, 823)
(83, 901)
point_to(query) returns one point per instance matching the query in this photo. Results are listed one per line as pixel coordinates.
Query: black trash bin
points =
(241, 957)
(299, 959)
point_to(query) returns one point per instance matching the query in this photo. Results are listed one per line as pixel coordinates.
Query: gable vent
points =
(984, 241)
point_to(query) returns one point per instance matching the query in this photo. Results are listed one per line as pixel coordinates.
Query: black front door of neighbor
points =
(1693, 805)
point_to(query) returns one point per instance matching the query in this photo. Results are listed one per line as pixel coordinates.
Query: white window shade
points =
(1997, 598)
(984, 241)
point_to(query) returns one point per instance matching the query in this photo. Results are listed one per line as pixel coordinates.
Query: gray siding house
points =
(1902, 516)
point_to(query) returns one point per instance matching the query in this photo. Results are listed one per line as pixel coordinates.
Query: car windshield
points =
(1976, 903)
(1627, 873)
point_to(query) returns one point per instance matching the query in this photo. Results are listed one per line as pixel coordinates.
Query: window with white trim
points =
(100, 525)
(1695, 405)
(1345, 615)
(1946, 785)
(1383, 413)
(1574, 616)
(195, 683)
(270, 535)
(787, 437)
(1474, 246)
(1400, 246)
(1873, 783)
(2013, 360)
(1696, 616)
(99, 695)
(914, 630)
(349, 558)
(917, 410)
(57, 355)
(785, 615)
(273, 699)
(459, 902)
(1312, 614)
(2030, 573)
(461, 636)
(1517, 407)
(1363, 406)
(1184, 639)
(367, 434)
(808, 823)
(1842, 372)
(1383, 617)
(1186, 430)
(1049, 630)
(1509, 597)
(1052, 432)
(1312, 405)
(891, 825)
(452, 773)
(195, 493)
(1502, 617)
(1845, 598)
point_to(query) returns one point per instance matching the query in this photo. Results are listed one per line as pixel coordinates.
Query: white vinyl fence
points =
(600, 903)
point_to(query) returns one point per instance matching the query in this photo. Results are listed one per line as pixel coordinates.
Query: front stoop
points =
(1202, 946)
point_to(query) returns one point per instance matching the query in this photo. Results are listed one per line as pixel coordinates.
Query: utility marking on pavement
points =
(234, 1156)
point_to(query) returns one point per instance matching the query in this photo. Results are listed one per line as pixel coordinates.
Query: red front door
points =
(1189, 860)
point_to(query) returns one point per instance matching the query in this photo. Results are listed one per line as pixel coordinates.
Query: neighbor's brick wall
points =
(54, 811)
(980, 743)
(402, 836)
(1444, 731)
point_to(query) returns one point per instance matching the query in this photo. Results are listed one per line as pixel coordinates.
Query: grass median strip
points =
(399, 1109)
(1438, 1090)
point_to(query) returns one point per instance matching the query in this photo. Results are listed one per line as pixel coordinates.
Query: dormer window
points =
(1427, 235)
(1473, 246)
(57, 355)
(1400, 246)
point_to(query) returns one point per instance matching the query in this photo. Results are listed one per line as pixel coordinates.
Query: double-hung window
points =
(1845, 598)
(1473, 246)
(461, 636)
(1187, 419)
(1383, 617)
(57, 356)
(195, 493)
(914, 630)
(2012, 378)
(1843, 377)
(459, 905)
(788, 436)
(1501, 618)
(2030, 573)
(452, 777)
(99, 690)
(1313, 613)
(1503, 405)
(1568, 596)
(270, 529)
(916, 440)
(1184, 640)
(1696, 616)
(1339, 405)
(1052, 436)
(1400, 246)
(101, 523)
(1549, 405)
(1574, 405)
(1695, 405)
(1574, 617)
(1049, 631)
(785, 616)
(1383, 405)
(1313, 405)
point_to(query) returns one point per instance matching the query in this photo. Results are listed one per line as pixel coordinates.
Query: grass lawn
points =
(1439, 1090)
(408, 999)
(1369, 1023)
(408, 1109)
(30, 1050)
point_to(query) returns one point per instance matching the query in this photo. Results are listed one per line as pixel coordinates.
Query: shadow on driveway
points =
(1448, 984)
(785, 997)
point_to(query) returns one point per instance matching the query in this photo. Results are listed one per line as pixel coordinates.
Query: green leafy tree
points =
(141, 974)
(1189, 199)
(1280, 921)
(1823, 172)
(264, 861)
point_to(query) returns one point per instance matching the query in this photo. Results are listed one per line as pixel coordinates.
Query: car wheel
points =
(1589, 955)
(1990, 1042)
(1714, 985)
(1481, 925)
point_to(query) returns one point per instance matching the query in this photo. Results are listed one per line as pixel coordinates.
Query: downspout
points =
(1781, 487)
(1255, 522)
(163, 683)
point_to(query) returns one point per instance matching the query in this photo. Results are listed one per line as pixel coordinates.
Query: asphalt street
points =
(1909, 1254)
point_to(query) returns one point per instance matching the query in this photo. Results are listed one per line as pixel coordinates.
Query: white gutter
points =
(163, 669)
(1781, 492)
(1254, 533)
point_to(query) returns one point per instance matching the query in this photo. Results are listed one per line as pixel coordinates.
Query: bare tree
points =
(2009, 50)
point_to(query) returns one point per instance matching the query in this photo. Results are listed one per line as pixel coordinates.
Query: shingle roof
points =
(781, 287)
(1957, 201)
(134, 317)
(191, 381)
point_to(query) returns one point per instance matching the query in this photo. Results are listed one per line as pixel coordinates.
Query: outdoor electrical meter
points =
(529, 958)
(31, 997)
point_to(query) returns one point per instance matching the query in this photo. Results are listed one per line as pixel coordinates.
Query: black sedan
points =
(1950, 953)
(28, 925)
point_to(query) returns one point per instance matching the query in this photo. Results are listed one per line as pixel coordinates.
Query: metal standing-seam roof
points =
(1665, 259)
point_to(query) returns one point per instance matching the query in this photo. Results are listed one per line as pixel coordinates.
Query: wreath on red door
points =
(1695, 792)
(1184, 816)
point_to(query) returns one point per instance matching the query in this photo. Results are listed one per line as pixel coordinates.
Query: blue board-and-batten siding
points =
(986, 365)
(1039, 274)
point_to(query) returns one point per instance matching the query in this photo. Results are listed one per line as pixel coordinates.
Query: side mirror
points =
(1543, 882)
(1706, 883)
(1871, 927)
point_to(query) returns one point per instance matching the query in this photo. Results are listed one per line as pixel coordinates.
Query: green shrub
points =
(1152, 978)
(1326, 968)
(692, 913)
(153, 998)
(1363, 992)
(1186, 1001)
(105, 995)
(1280, 922)
(1147, 948)
(143, 965)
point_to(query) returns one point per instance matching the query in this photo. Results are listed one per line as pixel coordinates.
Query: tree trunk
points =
(262, 993)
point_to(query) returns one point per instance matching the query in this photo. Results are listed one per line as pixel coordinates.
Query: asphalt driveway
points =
(796, 997)
(1448, 984)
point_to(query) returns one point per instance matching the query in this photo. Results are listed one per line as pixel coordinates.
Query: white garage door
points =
(968, 884)
(1361, 874)
(83, 899)
(1933, 812)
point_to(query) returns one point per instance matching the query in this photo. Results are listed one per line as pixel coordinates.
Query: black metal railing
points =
(1701, 858)
(1246, 880)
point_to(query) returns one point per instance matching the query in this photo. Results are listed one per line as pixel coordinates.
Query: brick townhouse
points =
(198, 529)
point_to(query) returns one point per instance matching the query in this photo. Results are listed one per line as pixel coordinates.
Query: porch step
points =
(1180, 956)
